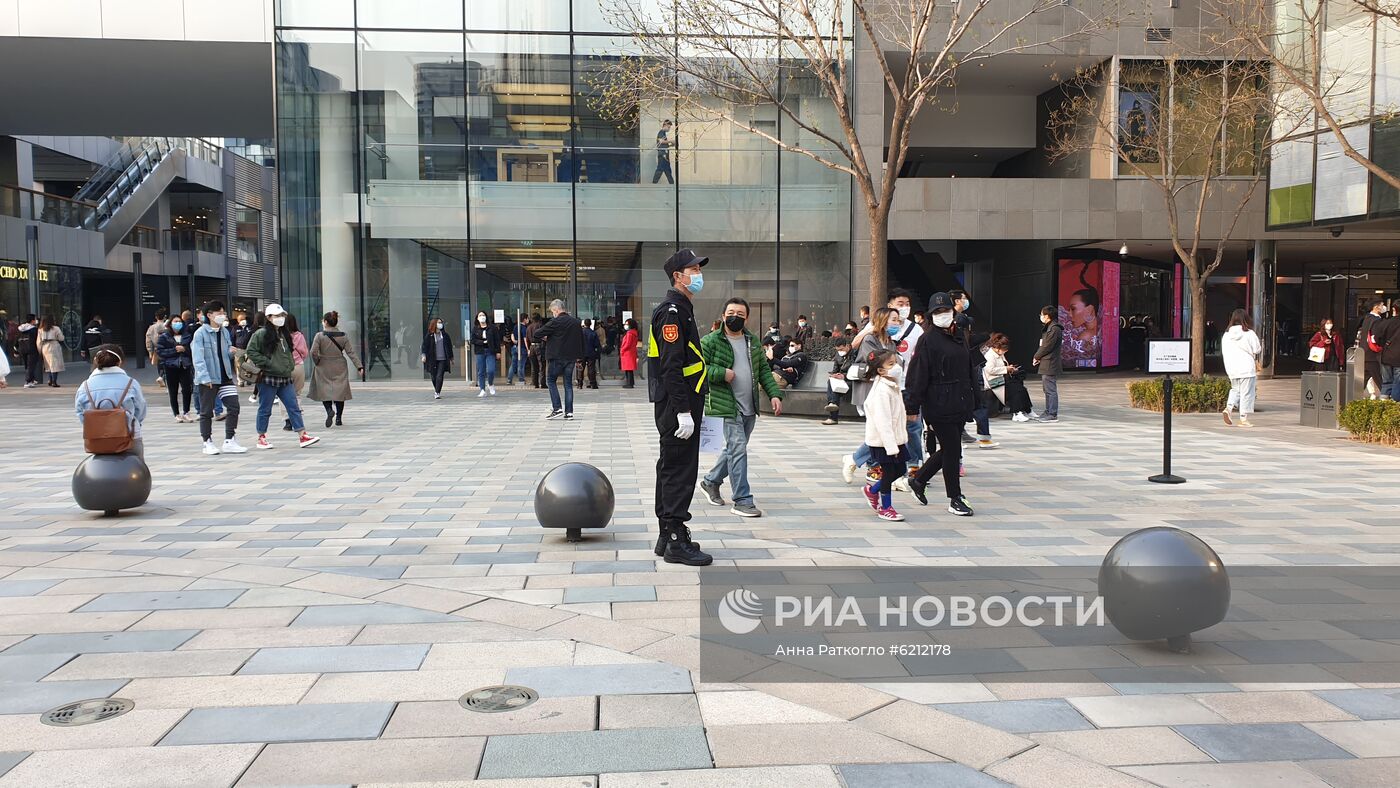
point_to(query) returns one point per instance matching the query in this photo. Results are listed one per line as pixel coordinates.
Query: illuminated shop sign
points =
(16, 272)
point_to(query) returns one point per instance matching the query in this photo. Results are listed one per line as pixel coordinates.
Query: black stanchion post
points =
(1166, 476)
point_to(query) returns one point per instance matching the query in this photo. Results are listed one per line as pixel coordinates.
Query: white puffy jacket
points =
(1240, 348)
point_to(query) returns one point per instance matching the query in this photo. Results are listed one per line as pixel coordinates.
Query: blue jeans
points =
(285, 392)
(1049, 385)
(485, 369)
(915, 428)
(516, 367)
(561, 368)
(984, 426)
(1394, 380)
(734, 460)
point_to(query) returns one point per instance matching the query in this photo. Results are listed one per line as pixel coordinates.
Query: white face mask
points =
(1327, 326)
(278, 321)
(220, 320)
(943, 319)
(481, 320)
(841, 353)
(904, 313)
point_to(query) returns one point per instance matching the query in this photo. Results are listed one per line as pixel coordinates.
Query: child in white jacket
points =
(1240, 350)
(885, 430)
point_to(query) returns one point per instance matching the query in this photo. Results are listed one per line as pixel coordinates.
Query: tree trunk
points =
(879, 248)
(1198, 326)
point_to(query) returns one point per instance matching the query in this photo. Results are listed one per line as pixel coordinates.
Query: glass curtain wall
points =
(445, 156)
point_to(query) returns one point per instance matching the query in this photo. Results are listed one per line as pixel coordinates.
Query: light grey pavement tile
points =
(915, 775)
(431, 719)
(619, 635)
(308, 722)
(1368, 704)
(397, 686)
(1021, 716)
(777, 744)
(102, 642)
(376, 572)
(46, 624)
(460, 632)
(373, 613)
(424, 598)
(1047, 767)
(136, 728)
(358, 762)
(1362, 773)
(812, 776)
(1362, 738)
(40, 696)
(755, 708)
(335, 659)
(1273, 742)
(29, 667)
(272, 637)
(135, 767)
(8, 760)
(1107, 711)
(944, 734)
(610, 594)
(13, 588)
(648, 711)
(1263, 652)
(612, 567)
(194, 692)
(503, 654)
(1271, 707)
(1235, 775)
(595, 752)
(226, 618)
(152, 664)
(1124, 746)
(602, 679)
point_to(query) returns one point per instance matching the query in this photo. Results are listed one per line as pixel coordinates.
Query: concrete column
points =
(339, 217)
(1262, 290)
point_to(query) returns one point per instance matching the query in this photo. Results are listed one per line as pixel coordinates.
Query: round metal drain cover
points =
(86, 712)
(493, 699)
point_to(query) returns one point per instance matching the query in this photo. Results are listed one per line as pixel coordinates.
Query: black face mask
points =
(734, 323)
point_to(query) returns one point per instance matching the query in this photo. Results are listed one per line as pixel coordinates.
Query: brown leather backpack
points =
(107, 430)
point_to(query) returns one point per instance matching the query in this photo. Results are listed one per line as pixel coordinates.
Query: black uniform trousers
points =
(677, 466)
(947, 457)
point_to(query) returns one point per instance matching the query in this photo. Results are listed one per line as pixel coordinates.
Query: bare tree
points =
(1290, 36)
(718, 60)
(1195, 128)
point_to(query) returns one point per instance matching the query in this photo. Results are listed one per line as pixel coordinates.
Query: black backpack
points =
(25, 343)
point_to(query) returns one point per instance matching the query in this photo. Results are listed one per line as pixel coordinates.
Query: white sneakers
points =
(437, 396)
(230, 447)
(848, 468)
(481, 393)
(210, 449)
(491, 389)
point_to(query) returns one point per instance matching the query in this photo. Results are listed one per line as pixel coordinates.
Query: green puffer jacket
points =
(279, 363)
(719, 357)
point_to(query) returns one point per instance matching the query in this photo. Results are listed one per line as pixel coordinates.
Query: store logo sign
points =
(1336, 277)
(15, 272)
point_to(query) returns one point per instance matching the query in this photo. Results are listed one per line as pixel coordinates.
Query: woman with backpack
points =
(330, 374)
(270, 350)
(173, 350)
(109, 387)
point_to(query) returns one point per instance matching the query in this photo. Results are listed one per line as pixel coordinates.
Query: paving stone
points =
(915, 775)
(1287, 651)
(47, 624)
(1365, 773)
(14, 588)
(776, 744)
(136, 728)
(1138, 710)
(102, 642)
(648, 711)
(307, 722)
(194, 692)
(1368, 704)
(611, 594)
(814, 776)
(1021, 716)
(1124, 746)
(755, 708)
(335, 659)
(429, 719)
(1047, 767)
(134, 767)
(1232, 775)
(40, 696)
(29, 667)
(507, 654)
(944, 734)
(459, 632)
(1274, 742)
(644, 679)
(595, 752)
(272, 637)
(351, 762)
(227, 618)
(152, 664)
(1271, 707)
(8, 760)
(375, 613)
(1362, 738)
(395, 686)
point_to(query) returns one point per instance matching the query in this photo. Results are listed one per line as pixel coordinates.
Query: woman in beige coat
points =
(51, 346)
(330, 374)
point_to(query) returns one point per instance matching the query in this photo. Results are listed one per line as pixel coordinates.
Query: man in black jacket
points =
(1372, 373)
(974, 341)
(563, 338)
(676, 388)
(1388, 337)
(1047, 361)
(939, 384)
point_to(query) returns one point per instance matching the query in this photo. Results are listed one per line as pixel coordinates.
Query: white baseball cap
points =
(274, 309)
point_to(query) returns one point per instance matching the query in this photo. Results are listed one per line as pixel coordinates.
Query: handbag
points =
(838, 385)
(107, 430)
(996, 381)
(1317, 355)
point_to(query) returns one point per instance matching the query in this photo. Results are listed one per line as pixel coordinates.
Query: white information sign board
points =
(500, 316)
(1168, 356)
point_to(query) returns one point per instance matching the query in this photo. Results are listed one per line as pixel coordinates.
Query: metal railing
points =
(144, 237)
(123, 174)
(191, 240)
(47, 208)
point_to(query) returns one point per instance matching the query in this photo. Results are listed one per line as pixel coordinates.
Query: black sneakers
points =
(711, 492)
(555, 414)
(959, 507)
(917, 487)
(680, 550)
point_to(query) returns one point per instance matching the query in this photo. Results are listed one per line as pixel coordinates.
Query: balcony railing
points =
(144, 237)
(47, 208)
(191, 240)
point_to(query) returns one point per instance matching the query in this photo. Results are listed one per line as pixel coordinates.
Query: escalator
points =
(127, 185)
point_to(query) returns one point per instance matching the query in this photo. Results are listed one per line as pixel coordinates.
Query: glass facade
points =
(441, 156)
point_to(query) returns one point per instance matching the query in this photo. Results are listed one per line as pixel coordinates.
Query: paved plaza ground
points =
(311, 617)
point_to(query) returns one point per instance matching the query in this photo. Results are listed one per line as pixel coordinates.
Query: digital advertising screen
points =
(1081, 312)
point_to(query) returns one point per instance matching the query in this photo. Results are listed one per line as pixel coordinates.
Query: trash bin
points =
(1309, 397)
(1331, 396)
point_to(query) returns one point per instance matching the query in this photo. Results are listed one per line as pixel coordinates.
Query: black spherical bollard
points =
(574, 496)
(1163, 583)
(108, 483)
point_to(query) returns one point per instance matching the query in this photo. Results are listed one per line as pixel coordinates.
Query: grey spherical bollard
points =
(1163, 583)
(574, 496)
(108, 483)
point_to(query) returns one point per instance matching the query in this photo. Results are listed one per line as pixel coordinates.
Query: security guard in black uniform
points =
(676, 386)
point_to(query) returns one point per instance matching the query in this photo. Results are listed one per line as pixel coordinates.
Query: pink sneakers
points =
(308, 439)
(890, 515)
(871, 497)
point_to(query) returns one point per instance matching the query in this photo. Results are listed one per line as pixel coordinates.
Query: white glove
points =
(686, 426)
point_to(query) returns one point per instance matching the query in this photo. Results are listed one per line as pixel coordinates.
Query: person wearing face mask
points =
(212, 352)
(905, 340)
(1325, 348)
(804, 331)
(882, 332)
(792, 366)
(563, 347)
(676, 388)
(939, 386)
(1047, 361)
(330, 374)
(884, 430)
(270, 348)
(627, 357)
(837, 386)
(437, 354)
(973, 340)
(173, 350)
(486, 343)
(1370, 349)
(737, 374)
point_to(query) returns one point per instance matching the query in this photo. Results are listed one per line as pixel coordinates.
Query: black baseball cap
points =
(684, 259)
(939, 301)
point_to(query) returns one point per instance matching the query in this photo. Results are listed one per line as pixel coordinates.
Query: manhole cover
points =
(86, 712)
(500, 698)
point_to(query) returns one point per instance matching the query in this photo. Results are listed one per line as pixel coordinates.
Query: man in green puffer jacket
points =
(738, 374)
